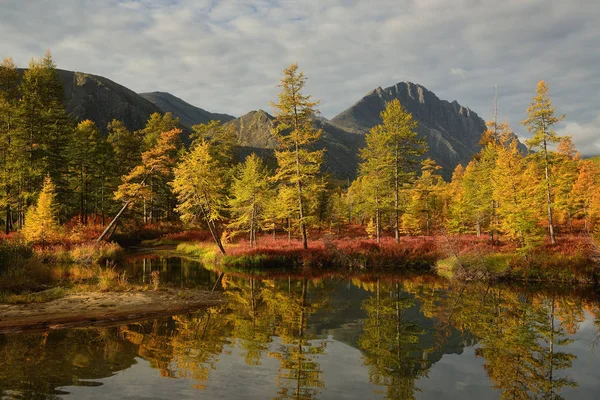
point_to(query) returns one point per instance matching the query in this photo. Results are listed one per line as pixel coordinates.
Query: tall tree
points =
(519, 193)
(11, 145)
(399, 129)
(374, 173)
(540, 121)
(157, 162)
(200, 188)
(127, 146)
(295, 132)
(84, 151)
(564, 170)
(47, 127)
(250, 192)
(425, 205)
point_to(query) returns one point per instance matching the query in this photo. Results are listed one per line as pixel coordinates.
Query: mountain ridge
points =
(188, 114)
(452, 131)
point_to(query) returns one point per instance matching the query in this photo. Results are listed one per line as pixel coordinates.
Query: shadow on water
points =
(307, 335)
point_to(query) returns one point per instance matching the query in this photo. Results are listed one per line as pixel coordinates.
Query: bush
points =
(109, 279)
(96, 253)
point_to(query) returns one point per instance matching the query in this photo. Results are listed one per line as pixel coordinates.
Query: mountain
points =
(341, 147)
(188, 114)
(451, 130)
(101, 100)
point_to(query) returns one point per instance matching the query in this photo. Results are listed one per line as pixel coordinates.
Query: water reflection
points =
(282, 326)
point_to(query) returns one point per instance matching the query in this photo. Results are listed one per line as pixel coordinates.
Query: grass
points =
(36, 297)
(110, 280)
(571, 261)
(90, 253)
(173, 239)
(275, 254)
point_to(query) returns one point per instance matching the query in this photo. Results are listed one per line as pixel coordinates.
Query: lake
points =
(314, 335)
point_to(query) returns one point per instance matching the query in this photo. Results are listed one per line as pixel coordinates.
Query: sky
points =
(227, 56)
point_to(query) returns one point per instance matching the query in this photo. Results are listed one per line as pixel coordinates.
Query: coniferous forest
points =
(68, 184)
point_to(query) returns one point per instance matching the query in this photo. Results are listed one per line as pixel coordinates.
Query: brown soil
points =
(96, 308)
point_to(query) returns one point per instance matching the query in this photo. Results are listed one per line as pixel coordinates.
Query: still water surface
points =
(309, 336)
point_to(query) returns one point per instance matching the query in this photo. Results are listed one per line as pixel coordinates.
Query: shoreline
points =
(102, 308)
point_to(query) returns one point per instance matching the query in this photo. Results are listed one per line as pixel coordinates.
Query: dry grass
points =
(110, 280)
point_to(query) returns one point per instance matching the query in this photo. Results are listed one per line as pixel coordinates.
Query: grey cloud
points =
(228, 55)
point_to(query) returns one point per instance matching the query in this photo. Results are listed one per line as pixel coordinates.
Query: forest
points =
(67, 183)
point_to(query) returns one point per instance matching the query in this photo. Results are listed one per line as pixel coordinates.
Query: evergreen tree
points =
(157, 124)
(564, 171)
(539, 123)
(425, 205)
(249, 193)
(298, 165)
(84, 152)
(374, 170)
(11, 143)
(222, 139)
(156, 165)
(585, 191)
(47, 129)
(399, 130)
(519, 194)
(126, 145)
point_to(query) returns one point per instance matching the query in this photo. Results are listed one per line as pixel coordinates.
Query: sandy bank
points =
(97, 308)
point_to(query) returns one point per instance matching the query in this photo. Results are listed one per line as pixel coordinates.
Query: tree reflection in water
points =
(402, 325)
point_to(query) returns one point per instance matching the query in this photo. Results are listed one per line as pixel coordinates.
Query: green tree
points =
(11, 143)
(222, 139)
(295, 132)
(47, 129)
(250, 192)
(84, 158)
(127, 146)
(157, 162)
(540, 121)
(157, 124)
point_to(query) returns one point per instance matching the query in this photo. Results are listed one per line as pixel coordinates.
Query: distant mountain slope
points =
(254, 135)
(451, 130)
(101, 100)
(188, 114)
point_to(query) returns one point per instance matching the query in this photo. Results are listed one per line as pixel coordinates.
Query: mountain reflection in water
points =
(285, 335)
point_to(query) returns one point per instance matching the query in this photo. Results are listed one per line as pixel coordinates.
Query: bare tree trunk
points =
(113, 222)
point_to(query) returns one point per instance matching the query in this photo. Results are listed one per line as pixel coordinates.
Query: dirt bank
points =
(97, 308)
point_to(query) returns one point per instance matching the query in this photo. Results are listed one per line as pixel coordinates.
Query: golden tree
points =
(41, 223)
(539, 123)
(294, 128)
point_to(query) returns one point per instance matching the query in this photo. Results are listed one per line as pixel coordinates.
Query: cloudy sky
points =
(228, 55)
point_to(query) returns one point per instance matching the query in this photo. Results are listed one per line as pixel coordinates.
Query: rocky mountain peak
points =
(452, 131)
